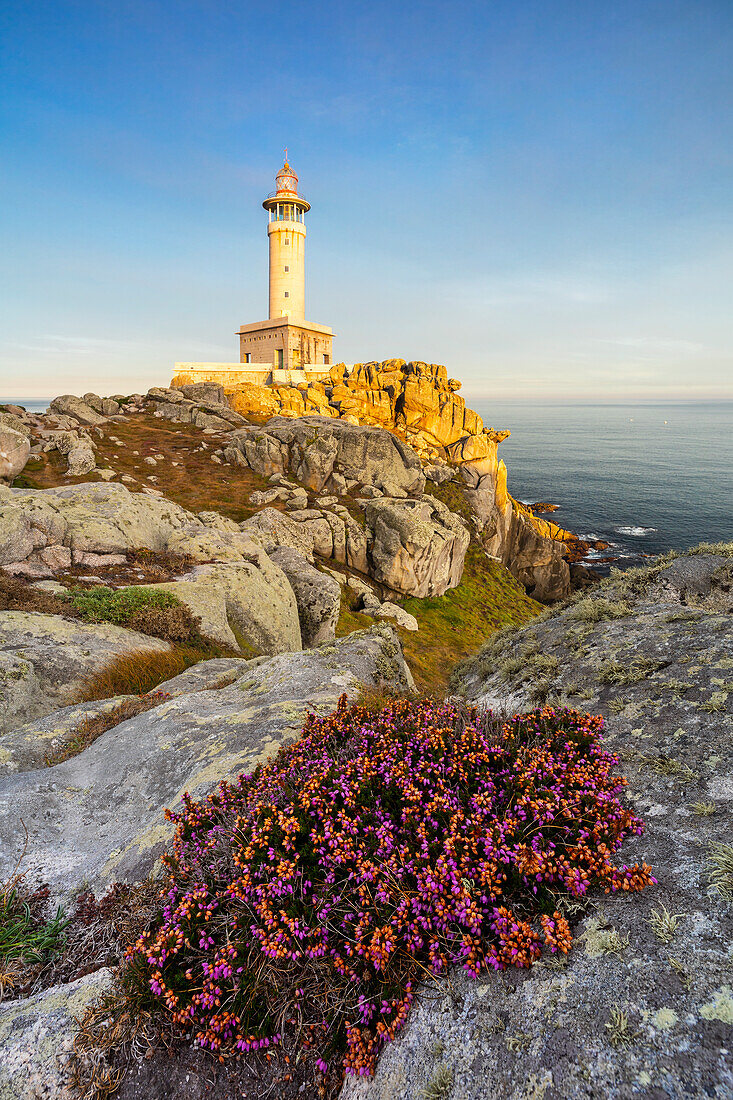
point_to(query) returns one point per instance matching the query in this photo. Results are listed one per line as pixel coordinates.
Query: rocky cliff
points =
(421, 405)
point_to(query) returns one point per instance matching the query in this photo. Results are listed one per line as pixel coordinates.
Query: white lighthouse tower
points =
(284, 348)
(286, 233)
(286, 340)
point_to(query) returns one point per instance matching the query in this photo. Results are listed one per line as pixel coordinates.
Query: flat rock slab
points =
(98, 817)
(26, 748)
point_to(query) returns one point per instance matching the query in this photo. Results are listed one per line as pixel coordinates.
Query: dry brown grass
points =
(195, 482)
(16, 594)
(375, 699)
(140, 672)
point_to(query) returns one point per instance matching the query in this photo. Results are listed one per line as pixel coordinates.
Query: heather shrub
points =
(16, 594)
(305, 901)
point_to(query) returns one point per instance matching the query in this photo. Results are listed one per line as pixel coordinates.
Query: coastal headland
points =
(258, 817)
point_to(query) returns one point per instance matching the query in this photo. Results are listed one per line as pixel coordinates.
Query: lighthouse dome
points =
(287, 180)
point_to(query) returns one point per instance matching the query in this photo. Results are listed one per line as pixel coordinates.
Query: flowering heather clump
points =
(306, 901)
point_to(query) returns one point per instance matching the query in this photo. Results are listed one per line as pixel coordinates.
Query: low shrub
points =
(306, 901)
(140, 672)
(159, 614)
(593, 609)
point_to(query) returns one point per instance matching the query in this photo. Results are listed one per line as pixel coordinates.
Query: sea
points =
(644, 478)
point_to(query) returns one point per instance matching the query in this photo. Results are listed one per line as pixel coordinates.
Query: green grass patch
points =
(25, 933)
(457, 624)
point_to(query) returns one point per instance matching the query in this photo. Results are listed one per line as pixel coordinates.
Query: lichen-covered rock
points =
(36, 526)
(249, 602)
(14, 451)
(98, 817)
(388, 610)
(76, 409)
(37, 1037)
(16, 421)
(272, 528)
(317, 594)
(79, 452)
(28, 745)
(314, 448)
(209, 393)
(45, 660)
(105, 406)
(417, 546)
(644, 1004)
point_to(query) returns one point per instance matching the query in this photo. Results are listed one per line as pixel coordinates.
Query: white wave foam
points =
(635, 532)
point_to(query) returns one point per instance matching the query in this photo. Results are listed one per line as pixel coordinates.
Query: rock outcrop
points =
(44, 661)
(37, 1037)
(239, 594)
(644, 1004)
(77, 409)
(417, 547)
(420, 405)
(325, 455)
(14, 451)
(318, 596)
(98, 817)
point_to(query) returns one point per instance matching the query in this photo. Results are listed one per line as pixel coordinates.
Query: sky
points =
(537, 193)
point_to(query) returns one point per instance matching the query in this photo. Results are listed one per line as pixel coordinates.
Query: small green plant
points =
(159, 614)
(667, 766)
(684, 615)
(440, 1084)
(684, 977)
(541, 690)
(663, 924)
(518, 1042)
(716, 703)
(593, 609)
(703, 809)
(677, 687)
(611, 672)
(617, 1026)
(720, 870)
(27, 935)
(22, 935)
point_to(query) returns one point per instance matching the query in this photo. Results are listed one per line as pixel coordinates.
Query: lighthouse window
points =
(287, 240)
(287, 268)
(287, 293)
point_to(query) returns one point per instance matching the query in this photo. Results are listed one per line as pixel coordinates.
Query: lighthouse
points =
(285, 348)
(286, 236)
(286, 342)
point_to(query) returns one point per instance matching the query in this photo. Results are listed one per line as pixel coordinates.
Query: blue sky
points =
(538, 194)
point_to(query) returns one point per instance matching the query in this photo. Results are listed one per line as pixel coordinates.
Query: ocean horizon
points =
(645, 478)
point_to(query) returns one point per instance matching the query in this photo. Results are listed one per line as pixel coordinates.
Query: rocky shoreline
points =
(185, 575)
